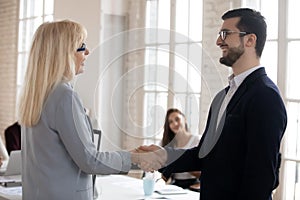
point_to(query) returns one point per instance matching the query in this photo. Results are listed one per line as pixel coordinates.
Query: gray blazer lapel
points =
(244, 87)
(212, 135)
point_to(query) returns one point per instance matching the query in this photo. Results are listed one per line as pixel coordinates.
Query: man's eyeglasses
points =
(82, 48)
(223, 34)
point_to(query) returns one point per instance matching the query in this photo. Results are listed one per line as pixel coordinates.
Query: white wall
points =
(87, 14)
(115, 7)
(91, 15)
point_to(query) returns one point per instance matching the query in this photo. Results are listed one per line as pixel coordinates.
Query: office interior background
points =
(150, 55)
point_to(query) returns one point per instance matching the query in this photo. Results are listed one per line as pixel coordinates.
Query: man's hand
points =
(152, 147)
(149, 158)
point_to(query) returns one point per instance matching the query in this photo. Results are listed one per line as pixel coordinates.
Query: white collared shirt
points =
(234, 83)
(241, 77)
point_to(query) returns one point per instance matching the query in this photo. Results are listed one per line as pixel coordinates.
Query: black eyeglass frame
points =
(82, 48)
(223, 34)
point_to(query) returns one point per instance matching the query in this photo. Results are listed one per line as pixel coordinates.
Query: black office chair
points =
(13, 137)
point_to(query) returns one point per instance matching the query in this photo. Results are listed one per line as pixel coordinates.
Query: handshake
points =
(149, 158)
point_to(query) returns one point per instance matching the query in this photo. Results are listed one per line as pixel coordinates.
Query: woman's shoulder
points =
(62, 92)
(63, 87)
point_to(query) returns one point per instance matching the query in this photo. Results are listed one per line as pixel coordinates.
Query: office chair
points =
(96, 132)
(13, 137)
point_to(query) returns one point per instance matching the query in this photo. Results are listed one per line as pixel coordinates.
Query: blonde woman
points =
(58, 154)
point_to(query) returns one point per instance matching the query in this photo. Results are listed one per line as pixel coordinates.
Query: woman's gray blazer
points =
(58, 155)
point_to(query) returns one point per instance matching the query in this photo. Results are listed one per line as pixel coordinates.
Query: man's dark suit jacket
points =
(244, 163)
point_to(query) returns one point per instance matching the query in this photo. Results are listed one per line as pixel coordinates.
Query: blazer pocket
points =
(84, 193)
(233, 129)
(234, 123)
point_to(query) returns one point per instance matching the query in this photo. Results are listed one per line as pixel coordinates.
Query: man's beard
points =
(232, 56)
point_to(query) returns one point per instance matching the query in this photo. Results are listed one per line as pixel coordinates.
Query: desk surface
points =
(116, 187)
(10, 193)
(112, 187)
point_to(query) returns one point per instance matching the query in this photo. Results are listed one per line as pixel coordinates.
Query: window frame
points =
(171, 94)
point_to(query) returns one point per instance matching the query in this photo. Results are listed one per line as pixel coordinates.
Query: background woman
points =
(176, 134)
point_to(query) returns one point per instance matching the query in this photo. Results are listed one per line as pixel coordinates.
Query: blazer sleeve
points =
(75, 133)
(266, 122)
(181, 160)
(185, 160)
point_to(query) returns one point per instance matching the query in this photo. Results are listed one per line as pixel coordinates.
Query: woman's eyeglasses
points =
(223, 34)
(82, 48)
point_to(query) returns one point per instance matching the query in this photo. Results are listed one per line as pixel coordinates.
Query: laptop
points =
(14, 165)
(11, 174)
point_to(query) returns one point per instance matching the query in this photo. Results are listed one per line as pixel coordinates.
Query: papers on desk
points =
(11, 191)
(170, 189)
(128, 188)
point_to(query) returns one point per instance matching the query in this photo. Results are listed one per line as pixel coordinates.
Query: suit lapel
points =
(244, 87)
(213, 133)
(211, 136)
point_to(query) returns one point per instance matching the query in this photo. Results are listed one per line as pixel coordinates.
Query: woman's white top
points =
(194, 141)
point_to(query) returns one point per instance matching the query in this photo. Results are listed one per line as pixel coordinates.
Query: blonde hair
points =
(51, 61)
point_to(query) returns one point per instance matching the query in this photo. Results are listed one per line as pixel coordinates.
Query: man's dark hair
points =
(250, 21)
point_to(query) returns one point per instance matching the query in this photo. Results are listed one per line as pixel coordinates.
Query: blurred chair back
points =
(97, 133)
(13, 137)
